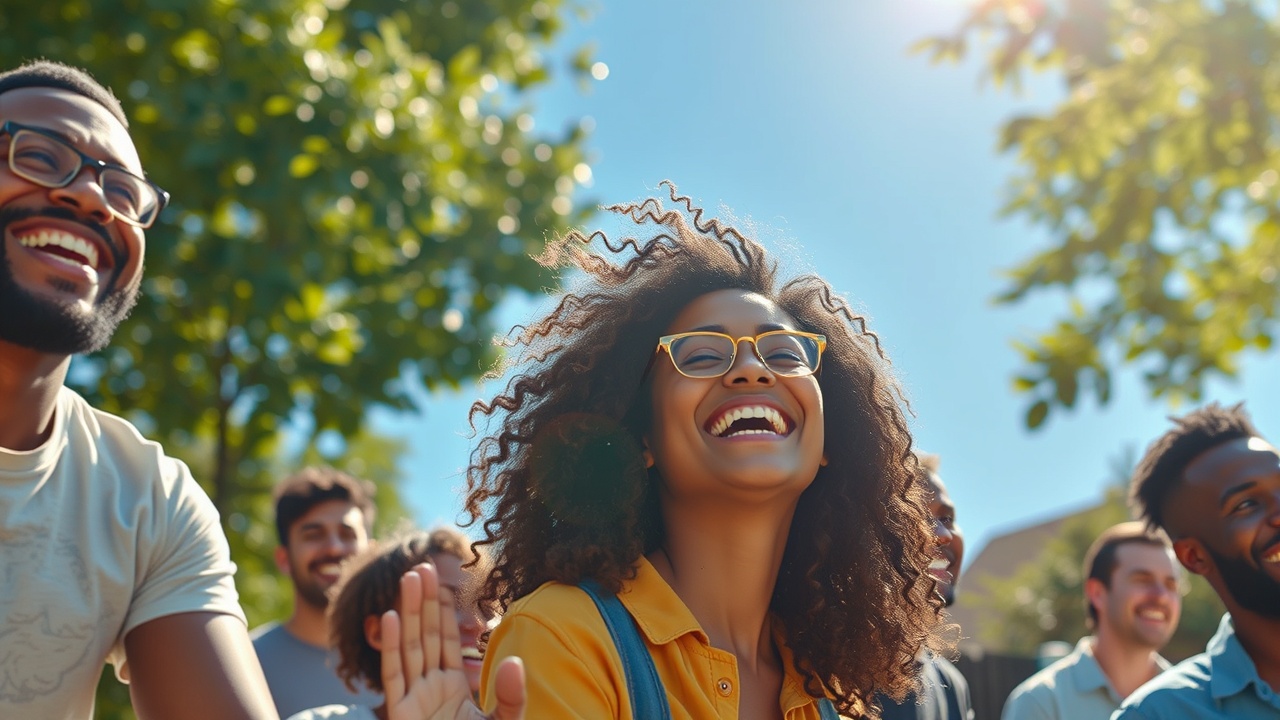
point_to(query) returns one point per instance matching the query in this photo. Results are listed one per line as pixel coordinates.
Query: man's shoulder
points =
(275, 645)
(113, 438)
(1047, 680)
(267, 635)
(1183, 684)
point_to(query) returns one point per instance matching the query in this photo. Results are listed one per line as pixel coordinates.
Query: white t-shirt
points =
(100, 532)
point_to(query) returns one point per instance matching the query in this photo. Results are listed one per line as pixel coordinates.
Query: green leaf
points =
(303, 165)
(1036, 414)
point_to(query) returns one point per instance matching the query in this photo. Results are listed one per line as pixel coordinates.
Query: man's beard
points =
(1249, 585)
(311, 593)
(308, 589)
(56, 328)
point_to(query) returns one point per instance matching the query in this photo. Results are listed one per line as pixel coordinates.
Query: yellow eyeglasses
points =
(787, 353)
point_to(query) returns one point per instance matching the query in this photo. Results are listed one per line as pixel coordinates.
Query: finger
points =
(430, 609)
(393, 684)
(411, 650)
(509, 687)
(450, 633)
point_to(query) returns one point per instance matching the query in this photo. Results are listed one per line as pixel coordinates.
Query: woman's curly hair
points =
(564, 493)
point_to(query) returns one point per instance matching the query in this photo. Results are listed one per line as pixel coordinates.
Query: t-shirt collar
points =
(18, 463)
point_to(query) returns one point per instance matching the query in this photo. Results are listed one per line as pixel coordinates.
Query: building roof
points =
(1000, 558)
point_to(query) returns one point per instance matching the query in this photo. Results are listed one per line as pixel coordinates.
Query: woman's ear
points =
(373, 632)
(645, 452)
(823, 462)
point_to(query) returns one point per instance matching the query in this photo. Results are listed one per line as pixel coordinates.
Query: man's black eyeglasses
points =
(40, 156)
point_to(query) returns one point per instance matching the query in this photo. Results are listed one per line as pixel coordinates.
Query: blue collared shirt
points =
(1073, 688)
(1220, 683)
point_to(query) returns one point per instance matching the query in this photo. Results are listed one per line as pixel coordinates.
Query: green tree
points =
(1155, 178)
(355, 187)
(1044, 600)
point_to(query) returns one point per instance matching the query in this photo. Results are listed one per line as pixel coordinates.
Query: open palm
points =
(422, 659)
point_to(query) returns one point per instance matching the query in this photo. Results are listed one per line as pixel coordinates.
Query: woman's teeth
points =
(770, 415)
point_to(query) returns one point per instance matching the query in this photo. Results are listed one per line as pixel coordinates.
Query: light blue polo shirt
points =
(1221, 682)
(1073, 688)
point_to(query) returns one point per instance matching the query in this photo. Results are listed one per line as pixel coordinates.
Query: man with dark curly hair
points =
(1212, 483)
(111, 551)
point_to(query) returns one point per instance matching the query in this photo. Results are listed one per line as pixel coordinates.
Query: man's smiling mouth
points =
(62, 246)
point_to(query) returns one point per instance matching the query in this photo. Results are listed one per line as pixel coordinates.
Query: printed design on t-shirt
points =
(52, 619)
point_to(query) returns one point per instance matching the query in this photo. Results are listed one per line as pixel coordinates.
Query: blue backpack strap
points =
(827, 710)
(648, 697)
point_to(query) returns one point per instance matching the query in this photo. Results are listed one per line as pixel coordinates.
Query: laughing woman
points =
(726, 455)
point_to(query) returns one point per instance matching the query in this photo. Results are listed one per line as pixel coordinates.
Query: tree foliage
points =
(355, 187)
(1044, 600)
(1155, 178)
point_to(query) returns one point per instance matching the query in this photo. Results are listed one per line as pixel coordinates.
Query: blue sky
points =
(814, 121)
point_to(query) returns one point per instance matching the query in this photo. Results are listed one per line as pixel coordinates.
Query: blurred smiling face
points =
(1143, 601)
(946, 568)
(69, 269)
(749, 431)
(319, 541)
(472, 622)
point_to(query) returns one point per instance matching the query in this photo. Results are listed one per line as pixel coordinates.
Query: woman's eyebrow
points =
(762, 328)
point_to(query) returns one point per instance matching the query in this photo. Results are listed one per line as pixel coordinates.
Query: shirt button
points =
(724, 686)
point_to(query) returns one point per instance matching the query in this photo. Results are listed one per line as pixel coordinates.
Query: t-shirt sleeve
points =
(184, 561)
(567, 673)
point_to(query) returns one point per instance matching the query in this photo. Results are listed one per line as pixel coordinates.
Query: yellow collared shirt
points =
(573, 670)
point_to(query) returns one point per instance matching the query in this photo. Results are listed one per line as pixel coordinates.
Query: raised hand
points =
(422, 659)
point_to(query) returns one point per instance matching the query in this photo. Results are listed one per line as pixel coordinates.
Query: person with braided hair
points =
(724, 454)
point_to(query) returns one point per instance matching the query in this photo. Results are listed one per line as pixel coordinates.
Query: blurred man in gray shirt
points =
(323, 517)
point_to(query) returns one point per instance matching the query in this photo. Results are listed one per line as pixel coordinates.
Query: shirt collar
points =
(1231, 670)
(1087, 673)
(661, 615)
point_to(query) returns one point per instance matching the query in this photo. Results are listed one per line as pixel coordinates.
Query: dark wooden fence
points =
(991, 678)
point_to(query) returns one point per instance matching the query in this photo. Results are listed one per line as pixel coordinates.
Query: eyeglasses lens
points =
(42, 159)
(52, 163)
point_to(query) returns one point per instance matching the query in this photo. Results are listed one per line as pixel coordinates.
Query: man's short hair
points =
(369, 585)
(1162, 468)
(49, 74)
(1100, 561)
(298, 493)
